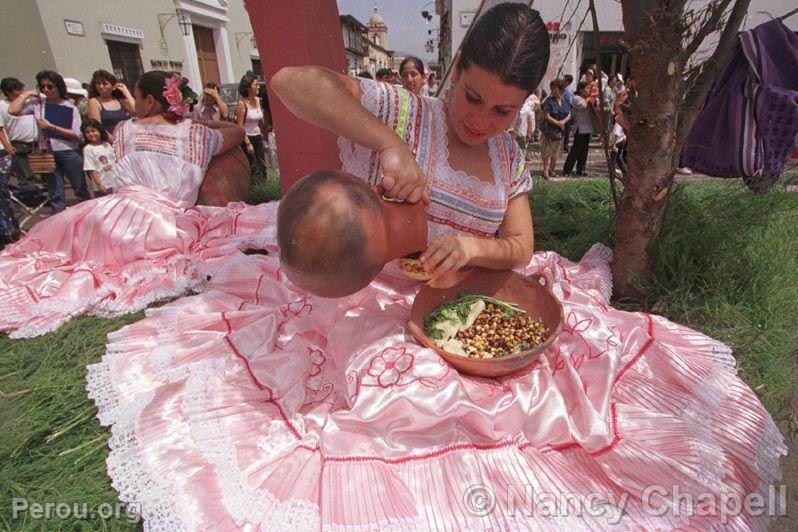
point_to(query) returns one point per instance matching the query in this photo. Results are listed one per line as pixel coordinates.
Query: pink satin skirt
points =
(108, 256)
(256, 406)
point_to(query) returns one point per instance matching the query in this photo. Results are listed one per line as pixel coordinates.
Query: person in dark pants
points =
(249, 115)
(582, 114)
(61, 141)
(568, 102)
(21, 131)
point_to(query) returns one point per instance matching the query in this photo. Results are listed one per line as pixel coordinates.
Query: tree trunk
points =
(654, 35)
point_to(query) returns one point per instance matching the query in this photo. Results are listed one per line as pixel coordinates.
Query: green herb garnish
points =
(459, 309)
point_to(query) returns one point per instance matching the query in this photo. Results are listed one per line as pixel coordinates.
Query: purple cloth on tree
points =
(749, 124)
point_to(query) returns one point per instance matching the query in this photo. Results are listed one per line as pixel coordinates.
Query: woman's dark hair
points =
(211, 85)
(102, 75)
(365, 74)
(582, 85)
(245, 84)
(418, 63)
(153, 83)
(56, 80)
(9, 85)
(90, 122)
(511, 41)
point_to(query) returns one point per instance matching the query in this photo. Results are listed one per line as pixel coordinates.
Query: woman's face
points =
(254, 88)
(92, 135)
(481, 105)
(412, 79)
(104, 88)
(50, 91)
(145, 105)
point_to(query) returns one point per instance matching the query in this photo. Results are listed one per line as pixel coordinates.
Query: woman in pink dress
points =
(257, 406)
(117, 254)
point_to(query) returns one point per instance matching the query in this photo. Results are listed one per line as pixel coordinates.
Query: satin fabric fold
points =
(254, 405)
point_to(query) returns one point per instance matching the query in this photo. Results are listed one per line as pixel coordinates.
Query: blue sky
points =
(407, 31)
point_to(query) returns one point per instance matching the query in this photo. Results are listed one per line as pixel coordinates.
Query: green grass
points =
(726, 265)
(265, 189)
(52, 449)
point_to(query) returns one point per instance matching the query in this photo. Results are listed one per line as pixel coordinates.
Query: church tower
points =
(378, 31)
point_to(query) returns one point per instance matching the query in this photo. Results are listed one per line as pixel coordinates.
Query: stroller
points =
(30, 198)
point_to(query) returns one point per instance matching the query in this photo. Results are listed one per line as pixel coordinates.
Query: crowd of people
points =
(412, 75)
(67, 128)
(579, 111)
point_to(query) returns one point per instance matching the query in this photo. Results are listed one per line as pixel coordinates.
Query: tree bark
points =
(654, 33)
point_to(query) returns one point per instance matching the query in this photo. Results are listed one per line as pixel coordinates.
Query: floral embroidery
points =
(296, 309)
(317, 359)
(389, 366)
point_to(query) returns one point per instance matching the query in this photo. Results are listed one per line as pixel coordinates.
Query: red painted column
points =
(291, 33)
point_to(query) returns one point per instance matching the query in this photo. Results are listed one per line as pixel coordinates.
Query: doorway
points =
(206, 54)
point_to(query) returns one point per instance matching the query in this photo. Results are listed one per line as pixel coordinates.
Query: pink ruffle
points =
(256, 405)
(111, 256)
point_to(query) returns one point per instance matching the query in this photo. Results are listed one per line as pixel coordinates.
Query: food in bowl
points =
(478, 326)
(411, 266)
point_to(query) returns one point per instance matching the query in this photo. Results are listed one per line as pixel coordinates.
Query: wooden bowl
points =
(527, 292)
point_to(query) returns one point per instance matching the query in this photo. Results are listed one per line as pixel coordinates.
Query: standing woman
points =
(554, 119)
(249, 115)
(412, 72)
(61, 141)
(110, 101)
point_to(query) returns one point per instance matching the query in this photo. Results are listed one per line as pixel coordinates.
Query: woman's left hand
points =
(121, 87)
(446, 254)
(45, 125)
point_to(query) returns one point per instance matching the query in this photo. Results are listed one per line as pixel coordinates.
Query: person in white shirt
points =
(20, 130)
(99, 157)
(583, 114)
(212, 107)
(526, 121)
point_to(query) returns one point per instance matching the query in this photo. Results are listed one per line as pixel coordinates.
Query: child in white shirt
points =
(98, 157)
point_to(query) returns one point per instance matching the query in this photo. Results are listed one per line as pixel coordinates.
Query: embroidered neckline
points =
(446, 169)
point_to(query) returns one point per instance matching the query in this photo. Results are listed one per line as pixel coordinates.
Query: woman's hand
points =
(45, 125)
(121, 87)
(402, 179)
(250, 148)
(447, 253)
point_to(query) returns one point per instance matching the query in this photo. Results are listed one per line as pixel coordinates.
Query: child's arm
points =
(95, 177)
(90, 167)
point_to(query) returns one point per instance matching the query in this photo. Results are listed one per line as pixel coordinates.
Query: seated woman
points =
(260, 406)
(117, 254)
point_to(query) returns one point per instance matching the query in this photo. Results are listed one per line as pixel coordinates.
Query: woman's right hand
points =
(402, 179)
(250, 148)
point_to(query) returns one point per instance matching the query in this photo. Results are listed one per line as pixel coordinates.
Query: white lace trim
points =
(129, 474)
(244, 503)
(445, 173)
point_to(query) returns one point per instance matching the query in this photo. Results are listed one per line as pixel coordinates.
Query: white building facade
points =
(204, 40)
(571, 37)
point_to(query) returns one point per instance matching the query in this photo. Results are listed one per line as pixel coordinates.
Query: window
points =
(126, 61)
